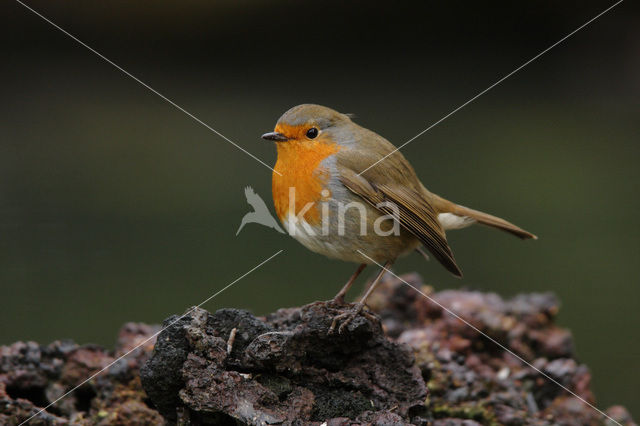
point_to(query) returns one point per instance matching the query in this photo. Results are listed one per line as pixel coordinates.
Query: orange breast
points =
(299, 164)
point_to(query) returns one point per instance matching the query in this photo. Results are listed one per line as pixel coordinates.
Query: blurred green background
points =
(115, 206)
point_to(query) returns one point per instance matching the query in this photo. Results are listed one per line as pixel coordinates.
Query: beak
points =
(275, 136)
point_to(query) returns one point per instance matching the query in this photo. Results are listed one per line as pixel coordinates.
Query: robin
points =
(331, 200)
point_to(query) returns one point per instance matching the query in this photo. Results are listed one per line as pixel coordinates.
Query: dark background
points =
(115, 206)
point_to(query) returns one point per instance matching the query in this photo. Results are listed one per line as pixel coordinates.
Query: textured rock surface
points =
(280, 370)
(418, 365)
(471, 377)
(285, 369)
(33, 376)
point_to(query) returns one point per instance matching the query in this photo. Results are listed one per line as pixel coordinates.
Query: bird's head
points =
(308, 125)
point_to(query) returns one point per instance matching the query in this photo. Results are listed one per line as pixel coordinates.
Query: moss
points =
(476, 412)
(439, 381)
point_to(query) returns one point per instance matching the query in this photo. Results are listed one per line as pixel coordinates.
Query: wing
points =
(409, 206)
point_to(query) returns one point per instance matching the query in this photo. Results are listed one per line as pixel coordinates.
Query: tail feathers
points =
(493, 221)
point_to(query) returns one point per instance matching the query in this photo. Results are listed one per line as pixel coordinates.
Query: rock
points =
(284, 369)
(33, 376)
(469, 377)
(417, 365)
(620, 415)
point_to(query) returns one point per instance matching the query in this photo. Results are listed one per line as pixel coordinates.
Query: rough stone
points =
(284, 369)
(34, 376)
(418, 364)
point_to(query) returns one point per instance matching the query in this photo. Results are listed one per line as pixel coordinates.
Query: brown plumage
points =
(394, 179)
(416, 214)
(327, 158)
(446, 206)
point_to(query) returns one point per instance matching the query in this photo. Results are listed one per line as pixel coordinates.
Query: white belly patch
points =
(329, 245)
(309, 236)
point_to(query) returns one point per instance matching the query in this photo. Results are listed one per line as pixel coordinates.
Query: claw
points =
(346, 322)
(335, 321)
(348, 317)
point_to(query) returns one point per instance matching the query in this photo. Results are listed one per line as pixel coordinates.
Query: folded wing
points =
(410, 208)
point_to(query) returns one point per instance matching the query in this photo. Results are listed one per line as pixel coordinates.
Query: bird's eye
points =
(312, 133)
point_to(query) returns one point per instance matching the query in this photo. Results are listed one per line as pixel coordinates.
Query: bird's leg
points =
(349, 316)
(339, 299)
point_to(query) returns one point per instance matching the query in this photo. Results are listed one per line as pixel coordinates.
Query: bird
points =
(334, 185)
(260, 213)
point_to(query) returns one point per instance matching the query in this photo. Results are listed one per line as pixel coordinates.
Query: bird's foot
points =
(345, 318)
